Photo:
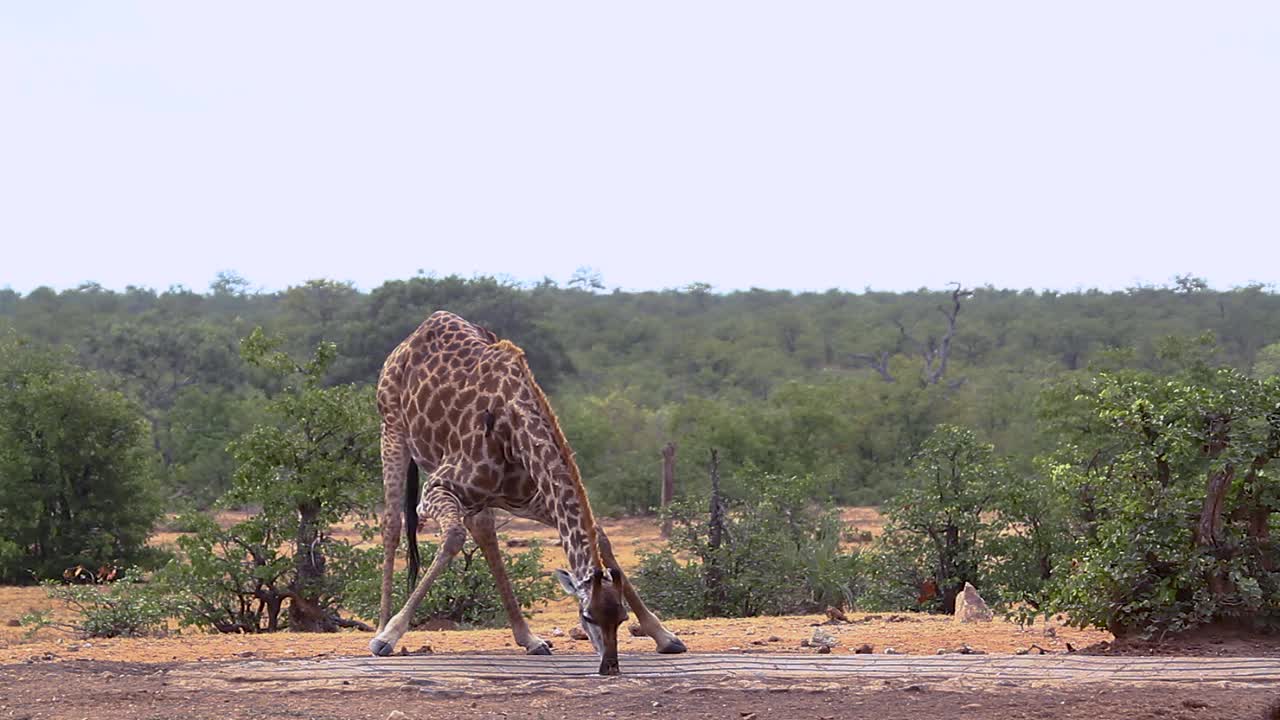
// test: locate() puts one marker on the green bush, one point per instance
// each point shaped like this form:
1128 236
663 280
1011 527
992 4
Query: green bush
126 608
76 470
1171 494
231 580
465 593
779 553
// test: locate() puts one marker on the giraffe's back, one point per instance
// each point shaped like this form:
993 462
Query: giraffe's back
446 388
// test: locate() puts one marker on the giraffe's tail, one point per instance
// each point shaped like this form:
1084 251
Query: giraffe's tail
411 491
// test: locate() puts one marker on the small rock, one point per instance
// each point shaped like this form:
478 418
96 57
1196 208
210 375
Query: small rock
397 715
634 629
891 651
1022 651
656 703
577 633
773 638
557 632
759 642
746 715
1050 631
805 643
824 650
970 607
14 622
424 650
822 638
246 654
863 649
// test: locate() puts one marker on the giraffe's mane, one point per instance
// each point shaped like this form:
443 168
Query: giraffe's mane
562 444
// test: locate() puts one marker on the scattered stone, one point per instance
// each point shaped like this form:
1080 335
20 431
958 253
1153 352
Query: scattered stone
970 607
1050 631
824 650
656 704
517 542
746 715
805 643
822 638
1070 648
634 629
397 715
1195 704
577 633
1022 651
14 622
962 650
759 642
891 651
913 688
557 632
897 618
424 650
863 649
773 638
246 654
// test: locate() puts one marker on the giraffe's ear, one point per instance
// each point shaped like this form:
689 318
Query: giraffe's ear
566 582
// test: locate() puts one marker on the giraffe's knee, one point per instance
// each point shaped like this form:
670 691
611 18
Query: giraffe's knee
454 537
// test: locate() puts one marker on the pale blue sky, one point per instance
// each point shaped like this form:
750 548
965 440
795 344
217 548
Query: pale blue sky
800 145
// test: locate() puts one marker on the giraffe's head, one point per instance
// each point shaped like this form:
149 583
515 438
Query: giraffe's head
601 610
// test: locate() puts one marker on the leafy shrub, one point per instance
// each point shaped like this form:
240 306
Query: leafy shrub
126 608
228 580
1172 495
465 593
779 553
76 469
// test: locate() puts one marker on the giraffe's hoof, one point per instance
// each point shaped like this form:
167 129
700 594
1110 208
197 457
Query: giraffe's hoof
675 647
381 648
542 648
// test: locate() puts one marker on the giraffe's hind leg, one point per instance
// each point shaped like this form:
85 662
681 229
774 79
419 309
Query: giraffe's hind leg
444 507
482 529
395 466
650 625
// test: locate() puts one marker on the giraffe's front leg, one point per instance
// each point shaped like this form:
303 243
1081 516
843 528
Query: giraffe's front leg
482 529
444 507
650 625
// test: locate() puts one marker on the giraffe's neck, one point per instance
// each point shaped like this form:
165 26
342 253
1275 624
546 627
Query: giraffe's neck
577 534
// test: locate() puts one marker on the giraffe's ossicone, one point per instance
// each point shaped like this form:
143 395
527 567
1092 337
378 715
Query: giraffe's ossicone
462 411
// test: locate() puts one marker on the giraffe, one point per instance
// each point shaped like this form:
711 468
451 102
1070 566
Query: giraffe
463 407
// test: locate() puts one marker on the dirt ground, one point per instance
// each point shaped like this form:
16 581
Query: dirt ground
131 691
53 674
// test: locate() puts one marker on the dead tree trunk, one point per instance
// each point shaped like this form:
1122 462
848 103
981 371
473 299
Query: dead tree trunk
937 354
712 573
668 485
